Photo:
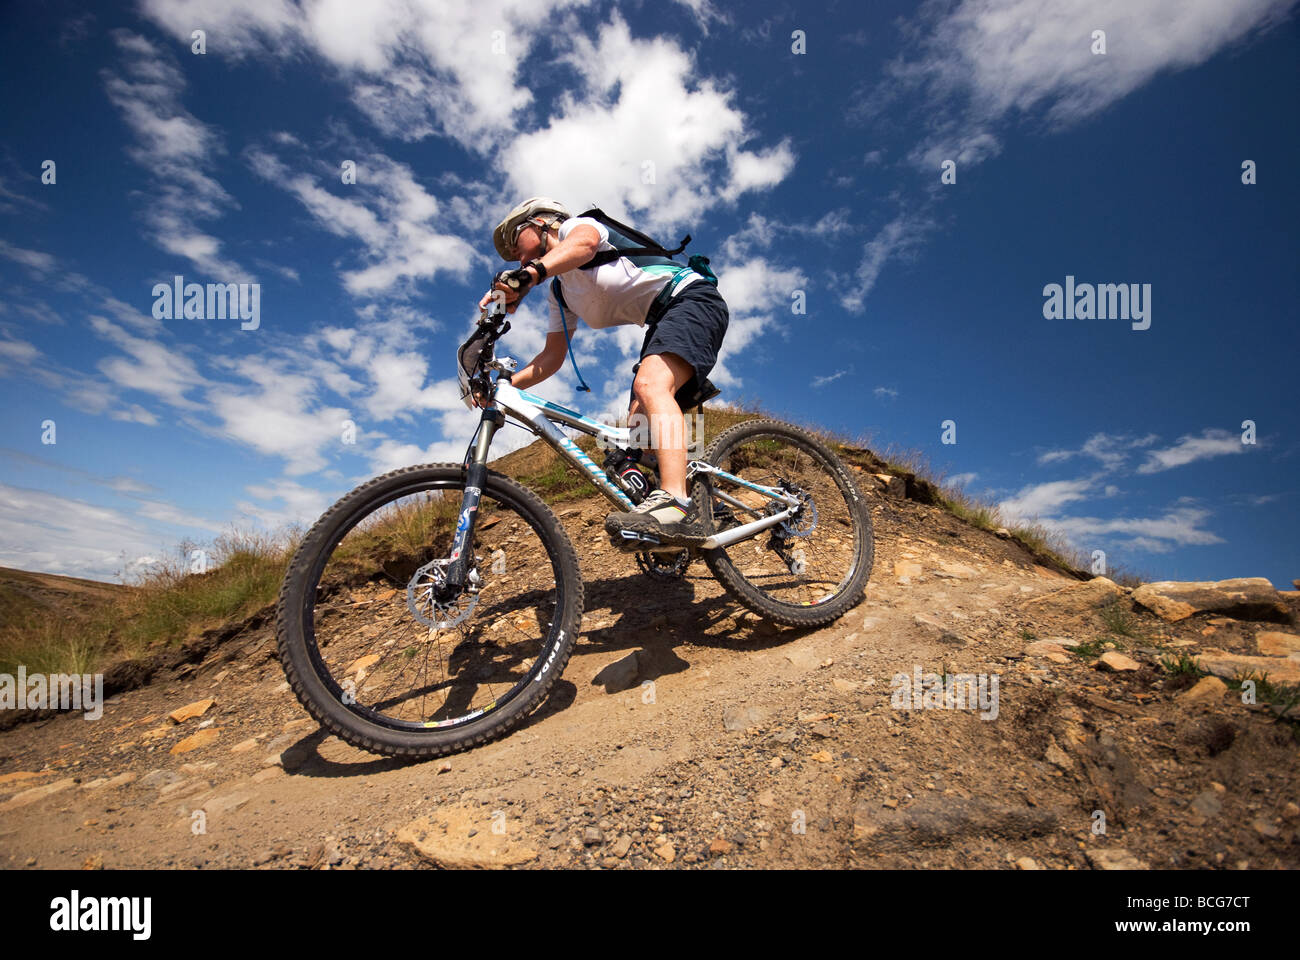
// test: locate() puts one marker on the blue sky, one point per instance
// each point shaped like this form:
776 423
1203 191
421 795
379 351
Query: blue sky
817 171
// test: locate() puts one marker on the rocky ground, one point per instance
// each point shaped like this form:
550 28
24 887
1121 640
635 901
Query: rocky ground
752 746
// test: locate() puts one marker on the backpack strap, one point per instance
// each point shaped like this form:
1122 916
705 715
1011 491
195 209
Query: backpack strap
559 300
648 246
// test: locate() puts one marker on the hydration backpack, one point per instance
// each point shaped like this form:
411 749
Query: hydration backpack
641 249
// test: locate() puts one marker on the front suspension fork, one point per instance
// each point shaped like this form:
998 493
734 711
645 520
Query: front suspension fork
462 545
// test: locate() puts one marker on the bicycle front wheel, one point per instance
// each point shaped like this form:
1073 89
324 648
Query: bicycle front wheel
385 655
810 569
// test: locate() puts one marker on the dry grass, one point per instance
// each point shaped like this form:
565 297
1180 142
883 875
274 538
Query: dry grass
171 602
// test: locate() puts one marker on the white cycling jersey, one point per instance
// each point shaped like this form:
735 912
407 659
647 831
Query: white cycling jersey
611 294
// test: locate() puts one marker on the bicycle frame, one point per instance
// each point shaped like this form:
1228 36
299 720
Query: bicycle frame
540 417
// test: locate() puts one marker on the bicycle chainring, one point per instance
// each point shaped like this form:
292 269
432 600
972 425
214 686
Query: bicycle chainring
664 566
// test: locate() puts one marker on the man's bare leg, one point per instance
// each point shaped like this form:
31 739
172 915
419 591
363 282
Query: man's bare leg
657 382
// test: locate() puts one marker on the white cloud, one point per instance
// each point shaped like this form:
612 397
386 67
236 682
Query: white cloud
995 60
389 212
1211 443
829 378
642 109
176 148
1178 527
35 259
896 240
1040 500
152 367
53 534
1110 450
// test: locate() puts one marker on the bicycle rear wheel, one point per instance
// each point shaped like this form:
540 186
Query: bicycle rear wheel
386 656
813 567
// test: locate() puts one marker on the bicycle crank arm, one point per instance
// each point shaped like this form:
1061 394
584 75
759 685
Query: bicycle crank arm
745 531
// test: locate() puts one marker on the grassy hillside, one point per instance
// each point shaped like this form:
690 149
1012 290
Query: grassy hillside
60 624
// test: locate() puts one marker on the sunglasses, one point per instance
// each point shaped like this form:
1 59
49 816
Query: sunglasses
514 241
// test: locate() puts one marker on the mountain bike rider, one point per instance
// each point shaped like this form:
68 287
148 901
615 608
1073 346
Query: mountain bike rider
547 241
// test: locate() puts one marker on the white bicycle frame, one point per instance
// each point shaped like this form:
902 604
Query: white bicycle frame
540 417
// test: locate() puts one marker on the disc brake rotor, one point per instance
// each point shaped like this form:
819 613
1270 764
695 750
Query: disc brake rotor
804 522
426 586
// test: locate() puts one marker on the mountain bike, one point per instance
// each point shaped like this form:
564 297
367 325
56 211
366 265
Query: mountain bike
433 608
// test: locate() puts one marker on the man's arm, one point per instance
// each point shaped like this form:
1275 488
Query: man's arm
571 252
544 364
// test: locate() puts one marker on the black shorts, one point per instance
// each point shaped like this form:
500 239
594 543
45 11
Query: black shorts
692 327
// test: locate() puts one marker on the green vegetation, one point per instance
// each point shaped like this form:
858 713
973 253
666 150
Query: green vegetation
1117 619
1182 665
166 604
170 603
1092 649
1280 697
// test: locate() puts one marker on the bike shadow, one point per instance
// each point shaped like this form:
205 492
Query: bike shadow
654 620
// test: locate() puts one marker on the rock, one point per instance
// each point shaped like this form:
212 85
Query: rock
1274 644
244 746
905 570
1046 648
1121 786
300 725
331 852
460 837
17 776
766 799
198 740
1113 858
620 675
1264 828
157 779
621 846
1079 597
197 769
666 852
226 803
361 664
191 710
956 571
1056 756
803 658
719 847
1250 598
35 794
121 780
270 773
1027 863
891 486
821 756
1117 662
184 788
1002 532
739 719
1207 690
592 836
1207 804
845 686
1231 665
935 818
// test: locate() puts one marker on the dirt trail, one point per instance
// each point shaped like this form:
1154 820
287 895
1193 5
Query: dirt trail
754 746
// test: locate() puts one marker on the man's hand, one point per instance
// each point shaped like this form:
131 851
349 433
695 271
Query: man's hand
513 285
